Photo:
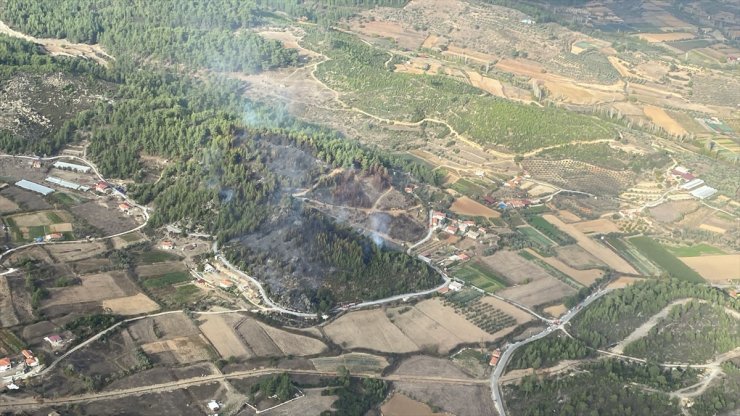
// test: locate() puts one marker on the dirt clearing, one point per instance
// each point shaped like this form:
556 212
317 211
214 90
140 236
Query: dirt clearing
515 268
716 269
600 252
130 305
466 206
406 38
663 120
400 405
556 310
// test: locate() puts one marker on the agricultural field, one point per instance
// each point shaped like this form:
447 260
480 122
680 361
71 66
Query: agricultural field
400 405
634 256
355 362
576 257
479 275
31 225
550 230
720 269
663 258
695 250
468 207
536 237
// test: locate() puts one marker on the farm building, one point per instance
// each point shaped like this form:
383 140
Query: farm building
439 215
67 184
53 236
704 192
167 245
72 166
451 229
213 405
692 184
124 207
208 268
102 186
31 361
32 186
55 340
472 234
494 357
455 286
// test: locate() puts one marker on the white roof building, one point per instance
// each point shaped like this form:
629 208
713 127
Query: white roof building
704 192
692 184
72 166
33 186
455 286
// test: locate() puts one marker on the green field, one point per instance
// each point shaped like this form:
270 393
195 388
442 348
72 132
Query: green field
550 230
168 279
536 236
185 294
358 71
480 276
695 250
469 188
633 256
157 256
663 258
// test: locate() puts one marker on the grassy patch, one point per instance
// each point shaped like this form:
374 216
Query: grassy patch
54 218
468 188
157 256
168 279
9 343
695 250
663 258
130 237
550 231
633 256
536 237
185 294
479 276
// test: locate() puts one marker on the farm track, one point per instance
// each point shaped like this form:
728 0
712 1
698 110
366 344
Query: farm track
32 403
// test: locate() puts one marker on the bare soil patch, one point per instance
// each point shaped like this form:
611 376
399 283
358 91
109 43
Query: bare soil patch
514 267
600 226
556 310
584 277
624 281
7 206
31 219
456 399
663 120
105 216
400 405
355 362
222 337
425 366
597 250
716 269
568 216
369 329
672 211
466 206
131 305
406 38
158 269
76 251
184 350
262 340
313 403
293 344
538 292
94 288
25 199
665 37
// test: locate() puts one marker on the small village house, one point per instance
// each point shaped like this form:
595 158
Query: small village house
167 245
5 364
55 340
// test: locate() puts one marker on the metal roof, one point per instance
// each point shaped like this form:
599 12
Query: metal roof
66 184
703 192
65 165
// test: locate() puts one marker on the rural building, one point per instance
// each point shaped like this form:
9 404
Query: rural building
5 364
463 257
32 186
451 229
54 236
208 268
31 361
226 284
102 186
439 215
167 245
692 184
124 207
528 21
72 166
704 192
213 405
455 286
494 357
36 164
67 184
55 340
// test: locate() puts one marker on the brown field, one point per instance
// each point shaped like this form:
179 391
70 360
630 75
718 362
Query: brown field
31 219
7 206
76 251
263 340
600 252
662 119
158 269
556 310
169 326
466 206
600 226
673 210
716 269
369 329
431 41
584 277
665 37
400 405
576 94
130 305
712 228
222 336
620 66
514 267
313 403
538 292
568 216
405 38
186 350
456 399
7 311
355 362
489 85
131 238
94 288
623 281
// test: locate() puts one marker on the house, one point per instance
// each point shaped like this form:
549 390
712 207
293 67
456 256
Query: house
55 340
5 364
439 215
455 286
489 200
472 235
54 237
31 361
495 355
167 245
123 206
464 225
213 405
208 268
451 229
226 284
528 21
102 186
463 257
